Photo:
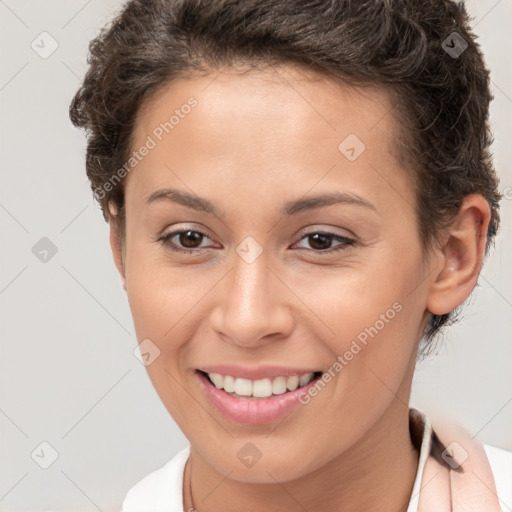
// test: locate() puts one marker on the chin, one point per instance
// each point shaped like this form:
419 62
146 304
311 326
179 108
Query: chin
277 466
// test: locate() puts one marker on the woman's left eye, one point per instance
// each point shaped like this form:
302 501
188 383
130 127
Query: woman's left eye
322 238
187 239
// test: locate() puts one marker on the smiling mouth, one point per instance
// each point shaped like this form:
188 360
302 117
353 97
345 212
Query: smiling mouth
259 389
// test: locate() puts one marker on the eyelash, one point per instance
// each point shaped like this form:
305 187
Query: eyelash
346 242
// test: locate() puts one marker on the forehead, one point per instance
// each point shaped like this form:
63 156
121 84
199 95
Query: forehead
306 100
269 122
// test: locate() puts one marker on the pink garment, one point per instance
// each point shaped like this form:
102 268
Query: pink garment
457 476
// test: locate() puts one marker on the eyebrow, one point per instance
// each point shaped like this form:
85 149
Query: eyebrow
289 208
183 198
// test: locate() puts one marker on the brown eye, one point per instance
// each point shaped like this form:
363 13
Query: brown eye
320 241
185 239
189 238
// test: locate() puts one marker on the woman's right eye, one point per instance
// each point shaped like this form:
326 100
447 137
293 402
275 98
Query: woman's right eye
186 237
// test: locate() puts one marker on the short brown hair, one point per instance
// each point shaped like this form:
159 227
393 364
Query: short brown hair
441 97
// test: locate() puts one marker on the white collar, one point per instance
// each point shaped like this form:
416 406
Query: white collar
426 443
162 490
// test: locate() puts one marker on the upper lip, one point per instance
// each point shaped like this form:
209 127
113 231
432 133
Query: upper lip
255 373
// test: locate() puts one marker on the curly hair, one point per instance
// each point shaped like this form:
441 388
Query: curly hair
440 98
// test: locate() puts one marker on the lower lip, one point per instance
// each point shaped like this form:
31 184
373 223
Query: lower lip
253 411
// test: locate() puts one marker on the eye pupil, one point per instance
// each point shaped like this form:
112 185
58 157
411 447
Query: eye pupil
325 239
186 236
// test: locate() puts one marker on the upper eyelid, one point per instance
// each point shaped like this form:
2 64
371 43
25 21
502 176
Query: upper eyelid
306 230
175 232
326 230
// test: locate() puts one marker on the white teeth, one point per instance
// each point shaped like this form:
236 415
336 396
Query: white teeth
262 388
243 387
292 383
229 384
305 379
279 386
217 379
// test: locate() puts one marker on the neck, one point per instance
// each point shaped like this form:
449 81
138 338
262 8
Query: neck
375 474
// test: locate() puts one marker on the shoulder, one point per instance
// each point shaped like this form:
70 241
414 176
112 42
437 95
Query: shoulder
160 490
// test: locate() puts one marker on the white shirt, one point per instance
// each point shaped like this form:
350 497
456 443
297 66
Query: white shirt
162 490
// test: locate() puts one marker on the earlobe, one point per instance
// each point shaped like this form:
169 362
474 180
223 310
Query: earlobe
461 256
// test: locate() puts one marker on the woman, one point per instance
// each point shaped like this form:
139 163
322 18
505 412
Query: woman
300 194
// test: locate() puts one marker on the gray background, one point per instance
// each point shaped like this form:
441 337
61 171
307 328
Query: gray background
68 373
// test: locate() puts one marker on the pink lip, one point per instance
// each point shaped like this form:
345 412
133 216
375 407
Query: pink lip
252 411
261 372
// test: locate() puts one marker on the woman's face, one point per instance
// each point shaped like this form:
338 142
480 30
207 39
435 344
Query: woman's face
274 280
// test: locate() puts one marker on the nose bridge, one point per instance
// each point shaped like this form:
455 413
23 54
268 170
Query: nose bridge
250 290
252 304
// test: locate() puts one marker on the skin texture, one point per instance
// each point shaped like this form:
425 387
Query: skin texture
254 141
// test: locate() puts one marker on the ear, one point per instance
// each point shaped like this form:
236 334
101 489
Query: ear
115 245
461 256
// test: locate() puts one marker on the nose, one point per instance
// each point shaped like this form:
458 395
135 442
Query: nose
253 304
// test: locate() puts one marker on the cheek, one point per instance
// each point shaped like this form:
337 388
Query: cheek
370 296
161 303
374 314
